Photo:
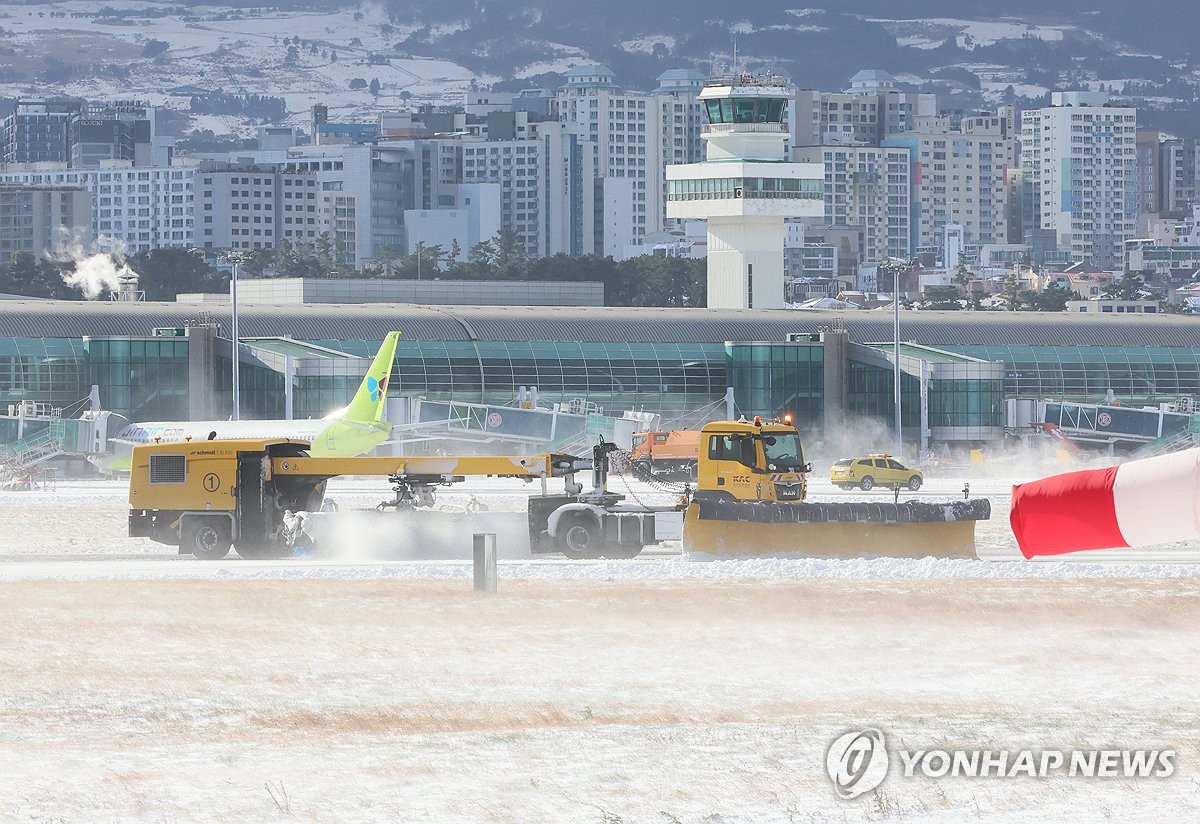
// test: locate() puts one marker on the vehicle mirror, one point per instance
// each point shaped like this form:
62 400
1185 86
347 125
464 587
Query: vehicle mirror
807 467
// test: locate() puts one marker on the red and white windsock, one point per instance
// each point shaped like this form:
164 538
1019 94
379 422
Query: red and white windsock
1140 503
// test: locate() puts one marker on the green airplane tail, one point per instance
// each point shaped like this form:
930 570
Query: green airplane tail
368 402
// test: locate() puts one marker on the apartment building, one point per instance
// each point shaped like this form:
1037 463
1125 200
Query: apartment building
871 109
636 134
248 207
547 183
1177 176
961 178
1079 159
35 131
142 208
870 187
42 219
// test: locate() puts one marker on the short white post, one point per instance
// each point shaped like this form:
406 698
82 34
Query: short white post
485 561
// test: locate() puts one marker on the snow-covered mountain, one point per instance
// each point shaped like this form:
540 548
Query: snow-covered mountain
163 53
431 53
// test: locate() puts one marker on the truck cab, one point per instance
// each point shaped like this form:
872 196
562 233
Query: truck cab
752 461
665 453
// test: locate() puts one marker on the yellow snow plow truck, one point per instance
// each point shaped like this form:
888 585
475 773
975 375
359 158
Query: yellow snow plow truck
750 498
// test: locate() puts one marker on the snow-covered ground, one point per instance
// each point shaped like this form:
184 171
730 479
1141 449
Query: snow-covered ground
140 686
238 50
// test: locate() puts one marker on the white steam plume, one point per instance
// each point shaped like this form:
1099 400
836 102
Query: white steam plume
97 269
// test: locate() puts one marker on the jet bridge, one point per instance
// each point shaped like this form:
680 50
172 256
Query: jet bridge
1118 427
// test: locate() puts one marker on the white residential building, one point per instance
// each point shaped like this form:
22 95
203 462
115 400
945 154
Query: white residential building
636 134
961 178
546 183
142 208
868 187
1079 159
365 190
474 218
864 114
256 207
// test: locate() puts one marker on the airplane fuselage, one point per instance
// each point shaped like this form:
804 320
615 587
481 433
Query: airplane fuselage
329 437
166 431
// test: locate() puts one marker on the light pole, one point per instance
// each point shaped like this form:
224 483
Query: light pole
895 270
896 344
235 258
237 386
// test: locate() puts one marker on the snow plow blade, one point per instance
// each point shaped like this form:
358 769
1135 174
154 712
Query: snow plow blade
914 529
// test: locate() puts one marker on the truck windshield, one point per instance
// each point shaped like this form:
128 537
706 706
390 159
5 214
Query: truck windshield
783 452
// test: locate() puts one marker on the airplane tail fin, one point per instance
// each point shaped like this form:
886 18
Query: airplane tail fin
368 402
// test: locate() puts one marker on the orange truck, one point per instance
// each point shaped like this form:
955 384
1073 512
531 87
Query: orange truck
665 453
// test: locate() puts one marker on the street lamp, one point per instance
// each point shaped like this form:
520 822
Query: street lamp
235 258
895 267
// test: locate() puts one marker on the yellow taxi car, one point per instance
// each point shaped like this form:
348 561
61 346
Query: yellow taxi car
875 470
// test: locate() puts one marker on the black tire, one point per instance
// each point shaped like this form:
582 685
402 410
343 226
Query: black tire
206 538
914 483
643 469
579 536
867 483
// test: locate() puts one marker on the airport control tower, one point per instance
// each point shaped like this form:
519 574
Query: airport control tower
745 189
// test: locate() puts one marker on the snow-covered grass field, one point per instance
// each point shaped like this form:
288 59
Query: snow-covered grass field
139 686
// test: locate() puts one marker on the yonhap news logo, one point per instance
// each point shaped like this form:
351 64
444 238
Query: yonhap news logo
858 762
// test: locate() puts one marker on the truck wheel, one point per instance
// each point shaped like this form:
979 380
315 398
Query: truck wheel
644 469
206 538
579 536
914 483
867 483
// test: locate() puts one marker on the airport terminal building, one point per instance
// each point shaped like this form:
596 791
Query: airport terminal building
171 361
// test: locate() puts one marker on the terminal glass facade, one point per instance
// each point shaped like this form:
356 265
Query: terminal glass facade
147 378
1086 373
870 392
142 379
316 395
261 396
46 370
971 402
324 386
770 379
